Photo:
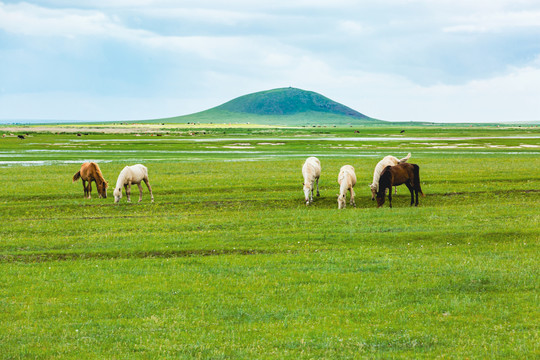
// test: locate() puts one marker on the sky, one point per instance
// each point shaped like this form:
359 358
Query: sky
397 60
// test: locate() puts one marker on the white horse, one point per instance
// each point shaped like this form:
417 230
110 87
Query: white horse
311 172
381 165
132 175
346 181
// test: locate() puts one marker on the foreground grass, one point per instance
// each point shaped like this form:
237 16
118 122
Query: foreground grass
229 263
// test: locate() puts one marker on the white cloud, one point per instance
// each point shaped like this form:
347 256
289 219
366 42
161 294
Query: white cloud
31 20
367 55
509 97
496 22
354 28
201 15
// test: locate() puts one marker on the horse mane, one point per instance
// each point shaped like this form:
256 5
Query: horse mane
385 172
99 175
121 177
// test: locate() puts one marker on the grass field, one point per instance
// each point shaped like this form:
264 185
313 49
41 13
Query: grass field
229 262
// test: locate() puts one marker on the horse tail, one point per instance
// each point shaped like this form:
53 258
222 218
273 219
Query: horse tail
76 176
401 161
416 172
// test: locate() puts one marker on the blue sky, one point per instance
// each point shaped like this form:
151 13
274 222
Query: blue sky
422 60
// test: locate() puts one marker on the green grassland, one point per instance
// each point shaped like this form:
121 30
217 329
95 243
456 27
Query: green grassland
229 262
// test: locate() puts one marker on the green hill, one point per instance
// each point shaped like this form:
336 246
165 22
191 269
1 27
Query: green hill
284 106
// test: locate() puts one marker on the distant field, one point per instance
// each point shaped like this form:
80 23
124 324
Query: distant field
229 263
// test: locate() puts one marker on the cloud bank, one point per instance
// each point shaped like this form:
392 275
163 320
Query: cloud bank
419 60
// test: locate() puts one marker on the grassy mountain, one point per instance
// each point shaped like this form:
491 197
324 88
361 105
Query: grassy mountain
284 106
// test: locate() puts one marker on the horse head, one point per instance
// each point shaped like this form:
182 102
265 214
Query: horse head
102 189
381 194
380 199
117 194
307 190
341 201
373 191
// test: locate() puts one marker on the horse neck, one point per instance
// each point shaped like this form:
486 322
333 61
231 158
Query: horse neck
309 178
99 177
377 172
344 186
385 182
121 179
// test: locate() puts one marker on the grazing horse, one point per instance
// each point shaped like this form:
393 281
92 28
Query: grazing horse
381 165
132 175
408 174
90 172
311 170
346 181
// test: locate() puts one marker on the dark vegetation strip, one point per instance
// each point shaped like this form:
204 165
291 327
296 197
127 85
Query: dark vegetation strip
265 203
154 254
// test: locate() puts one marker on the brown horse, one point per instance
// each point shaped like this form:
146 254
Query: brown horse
90 172
408 174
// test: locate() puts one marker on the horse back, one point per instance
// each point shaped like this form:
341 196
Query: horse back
91 171
311 168
347 173
402 173
142 171
396 175
135 173
86 171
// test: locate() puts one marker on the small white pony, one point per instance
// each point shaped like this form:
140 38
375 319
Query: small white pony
132 175
346 181
311 172
381 165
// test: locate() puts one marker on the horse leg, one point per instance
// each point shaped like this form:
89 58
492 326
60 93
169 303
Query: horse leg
84 188
352 198
128 192
97 187
318 193
410 187
140 191
395 191
390 197
89 189
149 189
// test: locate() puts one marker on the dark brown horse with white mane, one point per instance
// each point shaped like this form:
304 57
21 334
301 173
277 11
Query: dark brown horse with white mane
90 172
408 174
